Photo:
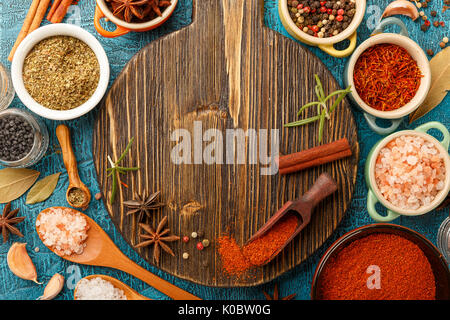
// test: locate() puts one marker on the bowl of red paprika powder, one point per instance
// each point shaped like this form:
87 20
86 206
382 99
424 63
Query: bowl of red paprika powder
381 262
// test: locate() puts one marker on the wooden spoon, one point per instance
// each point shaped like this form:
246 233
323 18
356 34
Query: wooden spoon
302 208
70 162
129 292
101 251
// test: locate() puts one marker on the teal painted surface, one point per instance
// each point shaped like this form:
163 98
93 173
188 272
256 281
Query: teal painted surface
119 51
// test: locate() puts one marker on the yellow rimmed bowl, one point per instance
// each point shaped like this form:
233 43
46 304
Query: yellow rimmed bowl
374 195
325 44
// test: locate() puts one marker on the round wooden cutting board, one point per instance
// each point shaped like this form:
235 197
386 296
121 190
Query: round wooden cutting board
224 71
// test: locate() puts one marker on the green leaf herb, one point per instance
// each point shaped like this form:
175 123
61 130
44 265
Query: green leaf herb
322 110
116 169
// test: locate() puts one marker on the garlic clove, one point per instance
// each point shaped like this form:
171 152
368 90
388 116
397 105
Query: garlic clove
19 262
53 288
403 7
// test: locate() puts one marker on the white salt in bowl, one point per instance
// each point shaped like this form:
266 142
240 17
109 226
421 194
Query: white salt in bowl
374 195
59 29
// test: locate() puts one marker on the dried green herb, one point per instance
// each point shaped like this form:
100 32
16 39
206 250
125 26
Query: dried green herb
15 182
43 189
322 110
116 169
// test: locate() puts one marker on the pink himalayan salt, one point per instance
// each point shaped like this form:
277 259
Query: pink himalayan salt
410 172
63 231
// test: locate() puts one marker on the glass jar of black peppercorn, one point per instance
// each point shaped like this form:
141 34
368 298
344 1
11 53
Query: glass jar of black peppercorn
23 138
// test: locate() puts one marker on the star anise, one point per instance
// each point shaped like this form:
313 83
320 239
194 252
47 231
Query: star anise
128 8
143 204
158 238
275 295
7 220
141 9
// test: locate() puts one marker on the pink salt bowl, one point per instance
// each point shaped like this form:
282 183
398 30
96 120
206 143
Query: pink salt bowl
374 194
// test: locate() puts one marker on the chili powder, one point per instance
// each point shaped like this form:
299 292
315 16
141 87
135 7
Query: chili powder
405 272
237 260
386 77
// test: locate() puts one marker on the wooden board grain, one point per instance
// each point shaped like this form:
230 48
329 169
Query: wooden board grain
226 70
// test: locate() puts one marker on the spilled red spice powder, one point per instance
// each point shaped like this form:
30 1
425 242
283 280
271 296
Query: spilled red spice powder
237 260
386 77
405 271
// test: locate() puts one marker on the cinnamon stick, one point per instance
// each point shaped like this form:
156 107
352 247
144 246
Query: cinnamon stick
39 16
53 8
316 162
313 153
61 11
25 27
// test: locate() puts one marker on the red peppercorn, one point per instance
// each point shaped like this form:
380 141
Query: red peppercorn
340 12
313 10
339 18
323 9
300 6
330 11
442 23
185 239
307 10
315 28
200 246
322 3
427 22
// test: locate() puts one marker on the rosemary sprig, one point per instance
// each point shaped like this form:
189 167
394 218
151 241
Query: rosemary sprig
322 110
116 169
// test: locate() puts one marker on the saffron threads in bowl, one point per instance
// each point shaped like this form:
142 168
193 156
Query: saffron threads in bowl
386 77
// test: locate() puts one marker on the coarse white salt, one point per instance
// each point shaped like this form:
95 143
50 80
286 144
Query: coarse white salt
64 231
98 289
410 172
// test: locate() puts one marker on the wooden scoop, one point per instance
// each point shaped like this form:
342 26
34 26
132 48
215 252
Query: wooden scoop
101 251
70 162
302 208
130 293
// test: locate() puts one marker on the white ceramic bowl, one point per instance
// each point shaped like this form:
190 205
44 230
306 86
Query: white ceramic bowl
416 52
59 29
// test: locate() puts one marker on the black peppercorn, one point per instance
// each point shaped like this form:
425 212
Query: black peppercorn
430 52
16 138
433 13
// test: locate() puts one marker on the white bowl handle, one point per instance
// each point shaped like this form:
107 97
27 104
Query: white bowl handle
387 22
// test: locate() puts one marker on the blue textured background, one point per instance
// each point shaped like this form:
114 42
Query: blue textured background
119 51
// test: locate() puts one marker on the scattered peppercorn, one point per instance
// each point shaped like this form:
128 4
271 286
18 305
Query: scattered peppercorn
424 27
185 239
425 18
194 235
442 23
205 243
436 23
427 23
433 13
424 4
36 249
200 246
185 255
430 52
442 44
98 196
445 39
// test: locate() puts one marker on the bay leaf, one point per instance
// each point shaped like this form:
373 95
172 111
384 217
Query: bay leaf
43 189
15 182
440 84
